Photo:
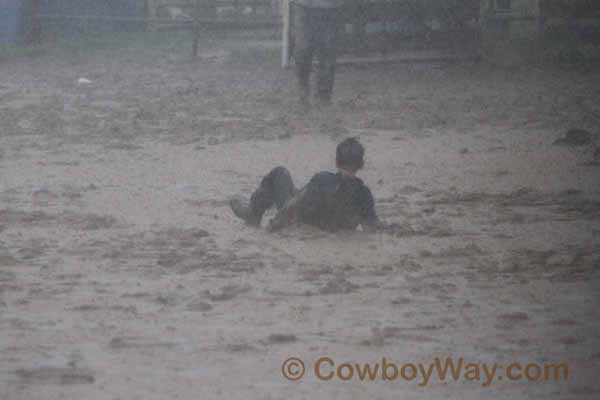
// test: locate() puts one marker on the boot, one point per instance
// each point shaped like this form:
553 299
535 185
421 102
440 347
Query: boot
241 208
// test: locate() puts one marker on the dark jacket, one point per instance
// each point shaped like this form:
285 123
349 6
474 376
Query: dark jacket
331 202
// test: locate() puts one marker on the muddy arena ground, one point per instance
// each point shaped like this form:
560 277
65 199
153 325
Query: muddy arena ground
124 274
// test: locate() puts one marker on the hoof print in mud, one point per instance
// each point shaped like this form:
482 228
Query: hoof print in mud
56 375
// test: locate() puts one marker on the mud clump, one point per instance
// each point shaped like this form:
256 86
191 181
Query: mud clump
61 376
575 137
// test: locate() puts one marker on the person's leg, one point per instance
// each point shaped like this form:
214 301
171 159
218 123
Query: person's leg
283 187
276 188
303 50
327 53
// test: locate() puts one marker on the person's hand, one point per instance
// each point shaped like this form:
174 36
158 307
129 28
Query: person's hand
272 226
283 218
375 226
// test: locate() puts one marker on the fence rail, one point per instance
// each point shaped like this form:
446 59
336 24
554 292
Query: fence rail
196 15
161 14
257 22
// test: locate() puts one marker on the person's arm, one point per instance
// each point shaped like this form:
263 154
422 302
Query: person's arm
370 222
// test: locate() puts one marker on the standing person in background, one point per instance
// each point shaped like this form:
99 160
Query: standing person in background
315 26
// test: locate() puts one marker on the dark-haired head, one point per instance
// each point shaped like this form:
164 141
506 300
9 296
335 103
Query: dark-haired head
350 155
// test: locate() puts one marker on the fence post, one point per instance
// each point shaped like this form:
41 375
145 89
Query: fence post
146 15
196 29
32 23
237 10
286 33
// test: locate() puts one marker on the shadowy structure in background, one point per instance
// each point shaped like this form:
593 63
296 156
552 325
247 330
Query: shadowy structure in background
504 32
522 31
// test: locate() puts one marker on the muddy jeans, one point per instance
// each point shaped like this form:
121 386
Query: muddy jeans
276 188
315 34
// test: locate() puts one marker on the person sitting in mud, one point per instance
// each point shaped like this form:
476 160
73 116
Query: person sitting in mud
330 201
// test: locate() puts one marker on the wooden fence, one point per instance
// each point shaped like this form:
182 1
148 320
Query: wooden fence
164 14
